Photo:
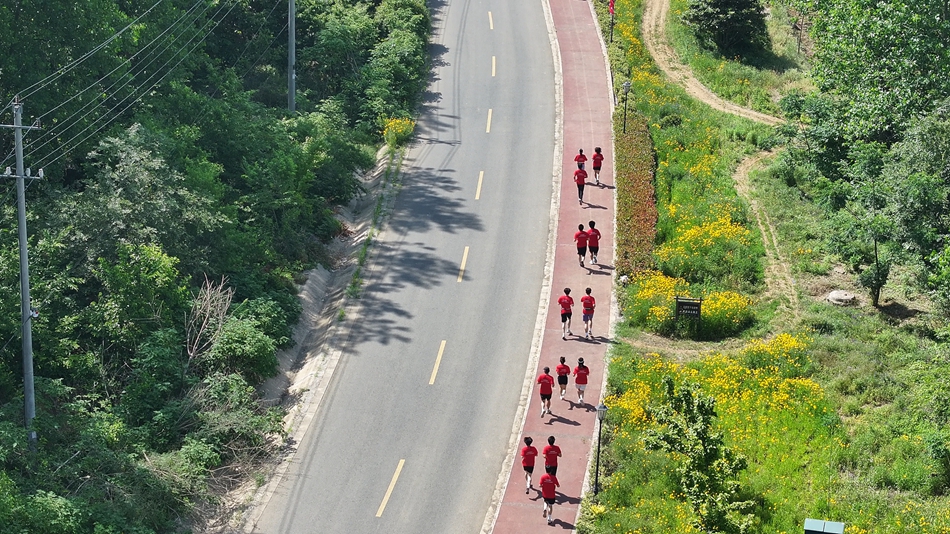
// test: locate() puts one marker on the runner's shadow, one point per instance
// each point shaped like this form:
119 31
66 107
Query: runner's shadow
562 524
586 406
564 499
588 205
564 420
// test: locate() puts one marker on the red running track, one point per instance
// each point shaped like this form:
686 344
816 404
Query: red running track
587 123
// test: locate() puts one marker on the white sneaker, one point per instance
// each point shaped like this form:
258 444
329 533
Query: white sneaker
570 333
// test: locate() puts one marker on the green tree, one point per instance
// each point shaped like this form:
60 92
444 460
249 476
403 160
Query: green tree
142 292
732 26
863 231
917 174
885 60
707 468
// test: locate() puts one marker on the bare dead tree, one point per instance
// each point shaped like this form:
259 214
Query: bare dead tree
206 319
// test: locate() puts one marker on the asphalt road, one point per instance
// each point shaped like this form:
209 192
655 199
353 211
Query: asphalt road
447 440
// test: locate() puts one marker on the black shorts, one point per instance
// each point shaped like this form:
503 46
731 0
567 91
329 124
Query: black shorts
562 380
528 469
551 470
597 169
565 316
545 396
581 251
594 250
580 165
551 502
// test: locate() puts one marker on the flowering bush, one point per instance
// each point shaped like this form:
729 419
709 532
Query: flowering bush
785 354
398 131
650 301
724 314
718 251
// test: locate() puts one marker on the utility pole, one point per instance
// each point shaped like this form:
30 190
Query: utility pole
291 56
26 310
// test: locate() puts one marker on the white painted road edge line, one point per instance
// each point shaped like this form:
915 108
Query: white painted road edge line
504 474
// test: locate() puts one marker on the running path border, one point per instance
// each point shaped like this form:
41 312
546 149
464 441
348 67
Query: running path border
586 108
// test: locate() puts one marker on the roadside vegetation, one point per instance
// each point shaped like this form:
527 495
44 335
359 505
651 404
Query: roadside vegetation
839 414
180 202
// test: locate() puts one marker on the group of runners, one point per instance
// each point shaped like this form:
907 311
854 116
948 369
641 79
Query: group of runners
580 175
587 241
548 482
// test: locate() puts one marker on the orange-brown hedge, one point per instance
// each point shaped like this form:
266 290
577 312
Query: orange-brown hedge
635 164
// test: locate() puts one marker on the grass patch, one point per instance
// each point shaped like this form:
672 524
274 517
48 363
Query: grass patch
757 81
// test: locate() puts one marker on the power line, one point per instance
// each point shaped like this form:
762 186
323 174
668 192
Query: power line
128 60
153 53
76 62
63 150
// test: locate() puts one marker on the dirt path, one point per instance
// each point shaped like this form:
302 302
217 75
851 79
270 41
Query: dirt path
778 274
654 38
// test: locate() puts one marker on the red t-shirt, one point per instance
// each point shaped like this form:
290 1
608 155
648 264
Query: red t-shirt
566 302
580 177
548 483
580 158
588 303
581 237
528 454
593 237
547 384
551 452
598 159
562 370
580 374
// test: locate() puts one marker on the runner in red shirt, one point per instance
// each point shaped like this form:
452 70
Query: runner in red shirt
562 370
581 238
549 484
546 390
593 241
587 306
598 160
580 379
566 302
528 454
551 453
580 178
580 158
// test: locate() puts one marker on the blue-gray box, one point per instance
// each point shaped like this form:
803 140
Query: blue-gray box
817 526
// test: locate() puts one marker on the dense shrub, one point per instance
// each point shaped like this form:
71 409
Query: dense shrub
636 206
